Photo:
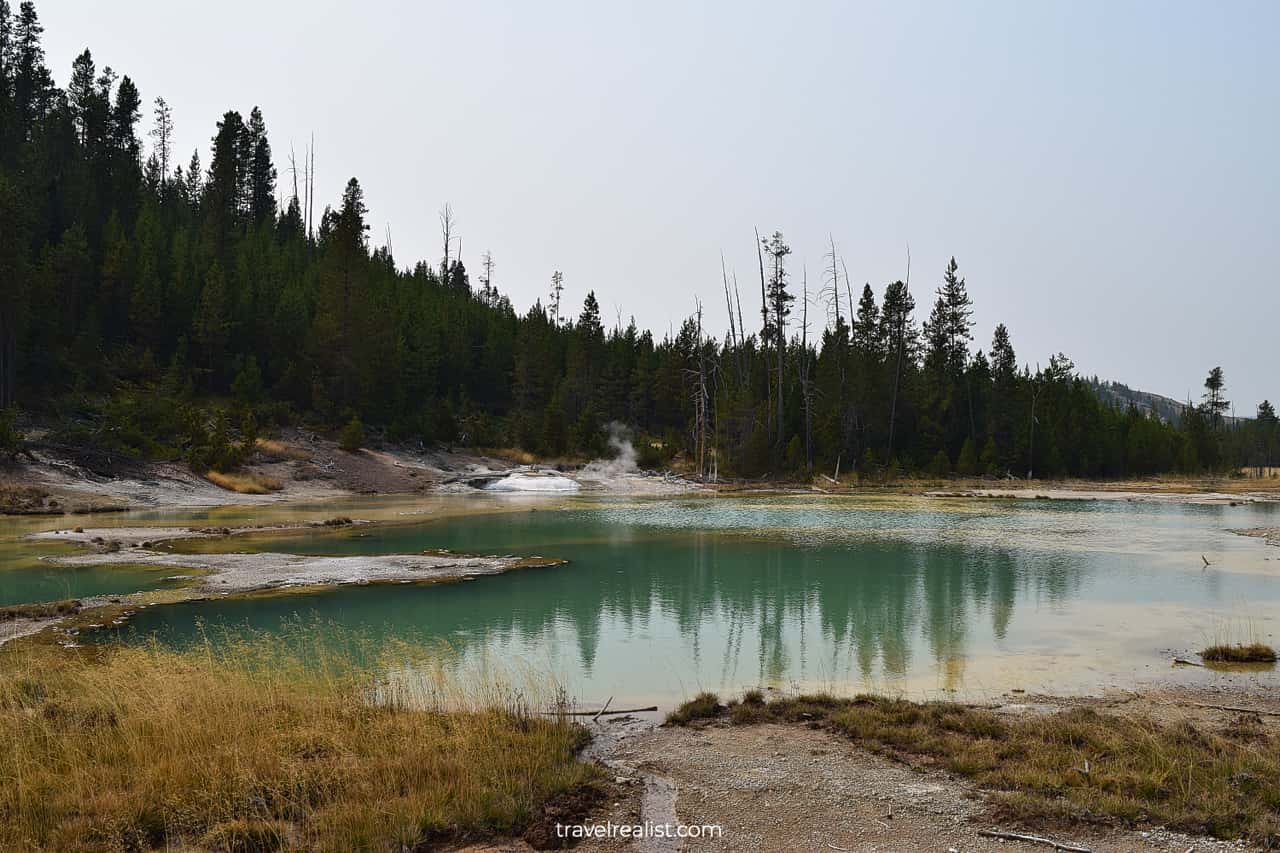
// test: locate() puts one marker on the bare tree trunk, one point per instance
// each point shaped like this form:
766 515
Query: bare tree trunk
311 190
778 308
805 390
734 336
742 331
293 170
446 233
764 318
1031 451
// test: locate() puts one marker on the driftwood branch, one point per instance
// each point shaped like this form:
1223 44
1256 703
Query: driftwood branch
603 708
601 713
1034 839
1238 709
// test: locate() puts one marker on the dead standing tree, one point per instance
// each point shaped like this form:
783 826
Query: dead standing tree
806 388
447 225
701 396
557 287
764 336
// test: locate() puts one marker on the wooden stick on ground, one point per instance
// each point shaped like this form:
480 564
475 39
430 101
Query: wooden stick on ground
1238 709
602 712
603 708
1034 839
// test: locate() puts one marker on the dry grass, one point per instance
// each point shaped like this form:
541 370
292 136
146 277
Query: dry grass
18 499
513 454
245 484
44 610
1240 653
255 747
1074 765
279 451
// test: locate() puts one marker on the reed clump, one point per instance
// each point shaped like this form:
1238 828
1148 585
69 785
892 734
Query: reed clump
259 745
40 610
1075 765
1239 653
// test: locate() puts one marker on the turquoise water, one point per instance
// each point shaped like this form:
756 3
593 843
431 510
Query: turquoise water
661 598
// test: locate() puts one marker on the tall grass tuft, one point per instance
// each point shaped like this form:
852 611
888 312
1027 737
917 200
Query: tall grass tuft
243 483
259 744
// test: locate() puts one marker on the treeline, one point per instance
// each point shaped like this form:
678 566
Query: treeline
164 308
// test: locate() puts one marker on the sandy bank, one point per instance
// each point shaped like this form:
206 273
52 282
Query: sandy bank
227 573
1087 494
1271 534
224 574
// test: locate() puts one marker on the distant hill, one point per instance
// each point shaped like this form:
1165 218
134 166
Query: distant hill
1119 394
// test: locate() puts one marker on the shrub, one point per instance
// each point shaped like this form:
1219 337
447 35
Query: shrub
651 455
704 706
10 439
967 464
990 458
352 437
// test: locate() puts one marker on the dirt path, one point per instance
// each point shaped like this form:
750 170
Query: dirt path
779 787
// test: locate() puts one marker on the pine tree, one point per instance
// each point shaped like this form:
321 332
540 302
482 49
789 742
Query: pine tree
162 133
32 82
261 171
340 320
212 323
223 195
1215 405
14 273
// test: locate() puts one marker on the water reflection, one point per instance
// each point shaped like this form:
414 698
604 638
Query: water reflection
650 609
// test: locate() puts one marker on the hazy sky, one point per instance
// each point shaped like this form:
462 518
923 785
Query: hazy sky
1104 173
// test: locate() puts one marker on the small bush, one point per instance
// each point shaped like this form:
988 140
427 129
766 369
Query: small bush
11 441
651 455
704 706
352 437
